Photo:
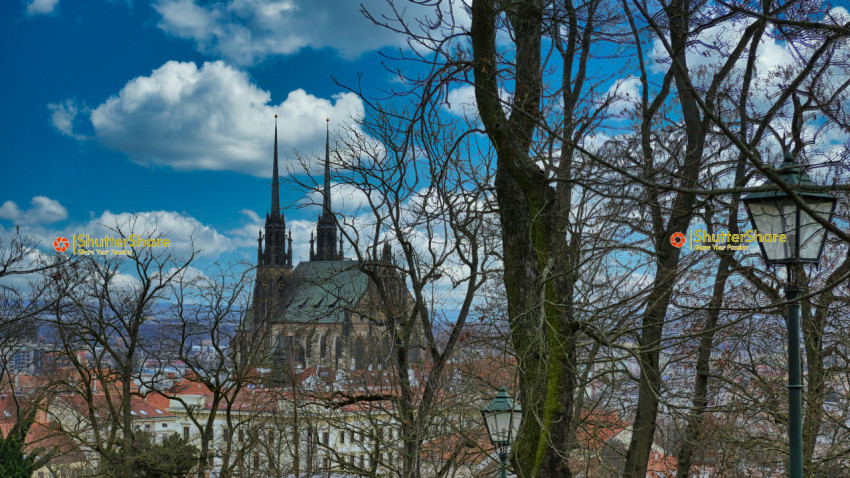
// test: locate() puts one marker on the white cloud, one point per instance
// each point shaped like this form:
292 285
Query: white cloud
838 16
624 95
185 275
461 102
43 211
184 232
62 116
712 47
778 59
9 210
246 235
31 259
213 118
41 7
246 31
301 230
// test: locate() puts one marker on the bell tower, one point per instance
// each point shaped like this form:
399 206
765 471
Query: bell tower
274 261
326 227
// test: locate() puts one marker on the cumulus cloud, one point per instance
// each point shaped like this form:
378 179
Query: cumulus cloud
183 231
43 211
41 7
623 95
301 230
246 234
712 47
777 60
838 16
461 102
212 118
246 31
62 116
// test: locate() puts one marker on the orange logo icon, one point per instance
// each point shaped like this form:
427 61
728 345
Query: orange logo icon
60 244
677 239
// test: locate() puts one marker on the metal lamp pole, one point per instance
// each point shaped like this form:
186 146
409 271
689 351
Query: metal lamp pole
795 368
777 214
795 382
503 460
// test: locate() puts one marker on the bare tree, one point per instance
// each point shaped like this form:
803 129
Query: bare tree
21 303
203 331
679 147
102 303
414 186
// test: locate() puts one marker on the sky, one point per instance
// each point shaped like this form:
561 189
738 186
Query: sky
165 110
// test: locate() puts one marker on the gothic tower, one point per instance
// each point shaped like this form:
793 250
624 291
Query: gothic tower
326 228
274 262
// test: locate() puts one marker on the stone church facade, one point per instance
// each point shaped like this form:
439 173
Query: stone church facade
323 312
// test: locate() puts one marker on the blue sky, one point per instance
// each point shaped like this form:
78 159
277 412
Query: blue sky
166 109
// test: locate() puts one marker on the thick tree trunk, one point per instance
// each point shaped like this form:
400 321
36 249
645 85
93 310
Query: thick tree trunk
521 276
522 287
538 269
649 388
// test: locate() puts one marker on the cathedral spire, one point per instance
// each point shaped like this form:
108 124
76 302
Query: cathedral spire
275 182
327 192
326 227
275 253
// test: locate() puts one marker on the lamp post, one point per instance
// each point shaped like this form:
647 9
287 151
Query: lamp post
502 417
774 212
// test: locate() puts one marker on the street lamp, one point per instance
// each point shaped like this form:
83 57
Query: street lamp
776 213
502 417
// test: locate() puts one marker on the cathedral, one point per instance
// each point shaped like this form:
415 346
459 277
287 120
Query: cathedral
323 312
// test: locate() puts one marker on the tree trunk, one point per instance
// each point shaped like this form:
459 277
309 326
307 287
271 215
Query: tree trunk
667 257
127 417
691 436
814 326
538 276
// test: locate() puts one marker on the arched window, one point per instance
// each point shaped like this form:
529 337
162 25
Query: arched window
337 350
308 347
359 354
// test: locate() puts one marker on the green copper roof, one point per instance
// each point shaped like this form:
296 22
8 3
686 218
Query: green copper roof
322 291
